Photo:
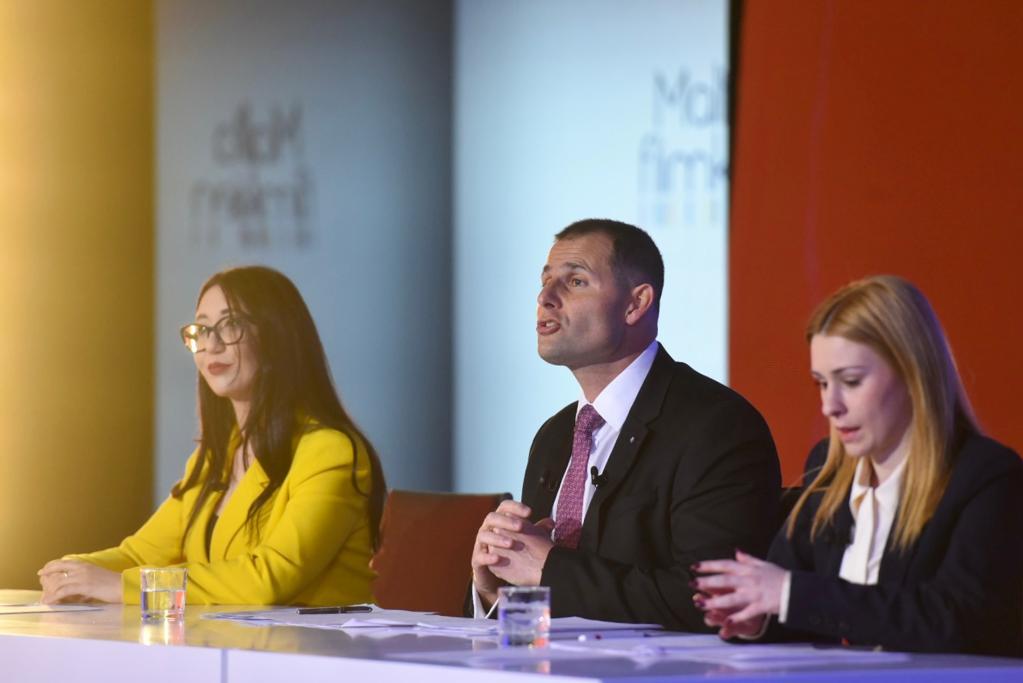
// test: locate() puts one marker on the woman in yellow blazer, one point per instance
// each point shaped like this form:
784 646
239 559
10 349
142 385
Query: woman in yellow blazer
281 501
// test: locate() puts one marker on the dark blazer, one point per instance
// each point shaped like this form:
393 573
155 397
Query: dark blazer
693 475
959 588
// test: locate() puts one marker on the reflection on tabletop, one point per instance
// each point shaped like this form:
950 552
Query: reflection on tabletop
613 653
124 623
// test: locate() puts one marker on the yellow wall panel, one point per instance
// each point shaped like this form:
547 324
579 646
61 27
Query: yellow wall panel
76 277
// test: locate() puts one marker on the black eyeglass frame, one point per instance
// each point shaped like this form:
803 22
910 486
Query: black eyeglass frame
215 329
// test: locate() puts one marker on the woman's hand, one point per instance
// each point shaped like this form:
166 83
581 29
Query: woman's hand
77 581
721 618
738 595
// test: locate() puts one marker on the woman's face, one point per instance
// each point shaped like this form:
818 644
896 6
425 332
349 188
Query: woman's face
862 396
229 369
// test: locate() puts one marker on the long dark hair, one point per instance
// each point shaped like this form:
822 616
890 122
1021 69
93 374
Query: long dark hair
293 393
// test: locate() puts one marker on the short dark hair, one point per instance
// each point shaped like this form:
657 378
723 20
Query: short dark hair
634 256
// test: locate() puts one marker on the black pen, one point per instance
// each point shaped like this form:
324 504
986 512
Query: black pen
344 609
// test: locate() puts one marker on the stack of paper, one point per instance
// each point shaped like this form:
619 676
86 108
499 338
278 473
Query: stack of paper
423 623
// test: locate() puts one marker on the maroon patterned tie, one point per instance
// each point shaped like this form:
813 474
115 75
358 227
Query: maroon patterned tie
569 526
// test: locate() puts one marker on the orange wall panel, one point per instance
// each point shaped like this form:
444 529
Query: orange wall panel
876 137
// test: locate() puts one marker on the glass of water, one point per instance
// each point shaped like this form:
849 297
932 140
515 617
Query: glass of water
524 615
163 593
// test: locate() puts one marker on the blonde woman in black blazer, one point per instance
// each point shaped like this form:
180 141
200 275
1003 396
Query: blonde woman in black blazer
909 534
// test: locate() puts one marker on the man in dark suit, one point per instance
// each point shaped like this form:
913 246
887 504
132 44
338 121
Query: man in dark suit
654 468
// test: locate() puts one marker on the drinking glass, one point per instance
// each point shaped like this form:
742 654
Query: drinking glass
163 593
524 615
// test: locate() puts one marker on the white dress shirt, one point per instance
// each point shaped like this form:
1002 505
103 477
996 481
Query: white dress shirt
613 404
873 510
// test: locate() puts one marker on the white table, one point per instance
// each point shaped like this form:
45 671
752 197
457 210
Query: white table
111 644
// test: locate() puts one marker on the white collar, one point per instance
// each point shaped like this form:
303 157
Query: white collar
887 493
615 401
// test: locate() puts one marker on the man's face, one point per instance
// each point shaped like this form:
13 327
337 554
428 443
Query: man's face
582 304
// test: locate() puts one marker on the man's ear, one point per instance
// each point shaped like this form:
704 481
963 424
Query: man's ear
641 300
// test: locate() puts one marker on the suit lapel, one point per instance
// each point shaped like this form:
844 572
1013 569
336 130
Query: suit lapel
894 562
235 512
835 539
645 409
554 461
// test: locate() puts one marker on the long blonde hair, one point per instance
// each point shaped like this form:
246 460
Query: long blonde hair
894 318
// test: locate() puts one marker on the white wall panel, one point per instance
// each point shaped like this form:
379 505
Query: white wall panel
567 110
314 136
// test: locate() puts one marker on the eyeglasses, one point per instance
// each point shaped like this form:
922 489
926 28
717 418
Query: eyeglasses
228 331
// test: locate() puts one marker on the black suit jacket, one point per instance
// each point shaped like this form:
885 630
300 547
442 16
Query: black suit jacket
959 588
693 475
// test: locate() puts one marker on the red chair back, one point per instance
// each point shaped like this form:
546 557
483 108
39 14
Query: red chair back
426 544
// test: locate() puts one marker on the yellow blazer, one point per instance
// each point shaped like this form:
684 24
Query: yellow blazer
312 545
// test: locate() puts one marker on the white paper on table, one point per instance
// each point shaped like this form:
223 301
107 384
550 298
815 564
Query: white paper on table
791 656
560 627
289 616
567 651
395 622
422 621
650 644
575 627
387 633
43 609
710 649
499 655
